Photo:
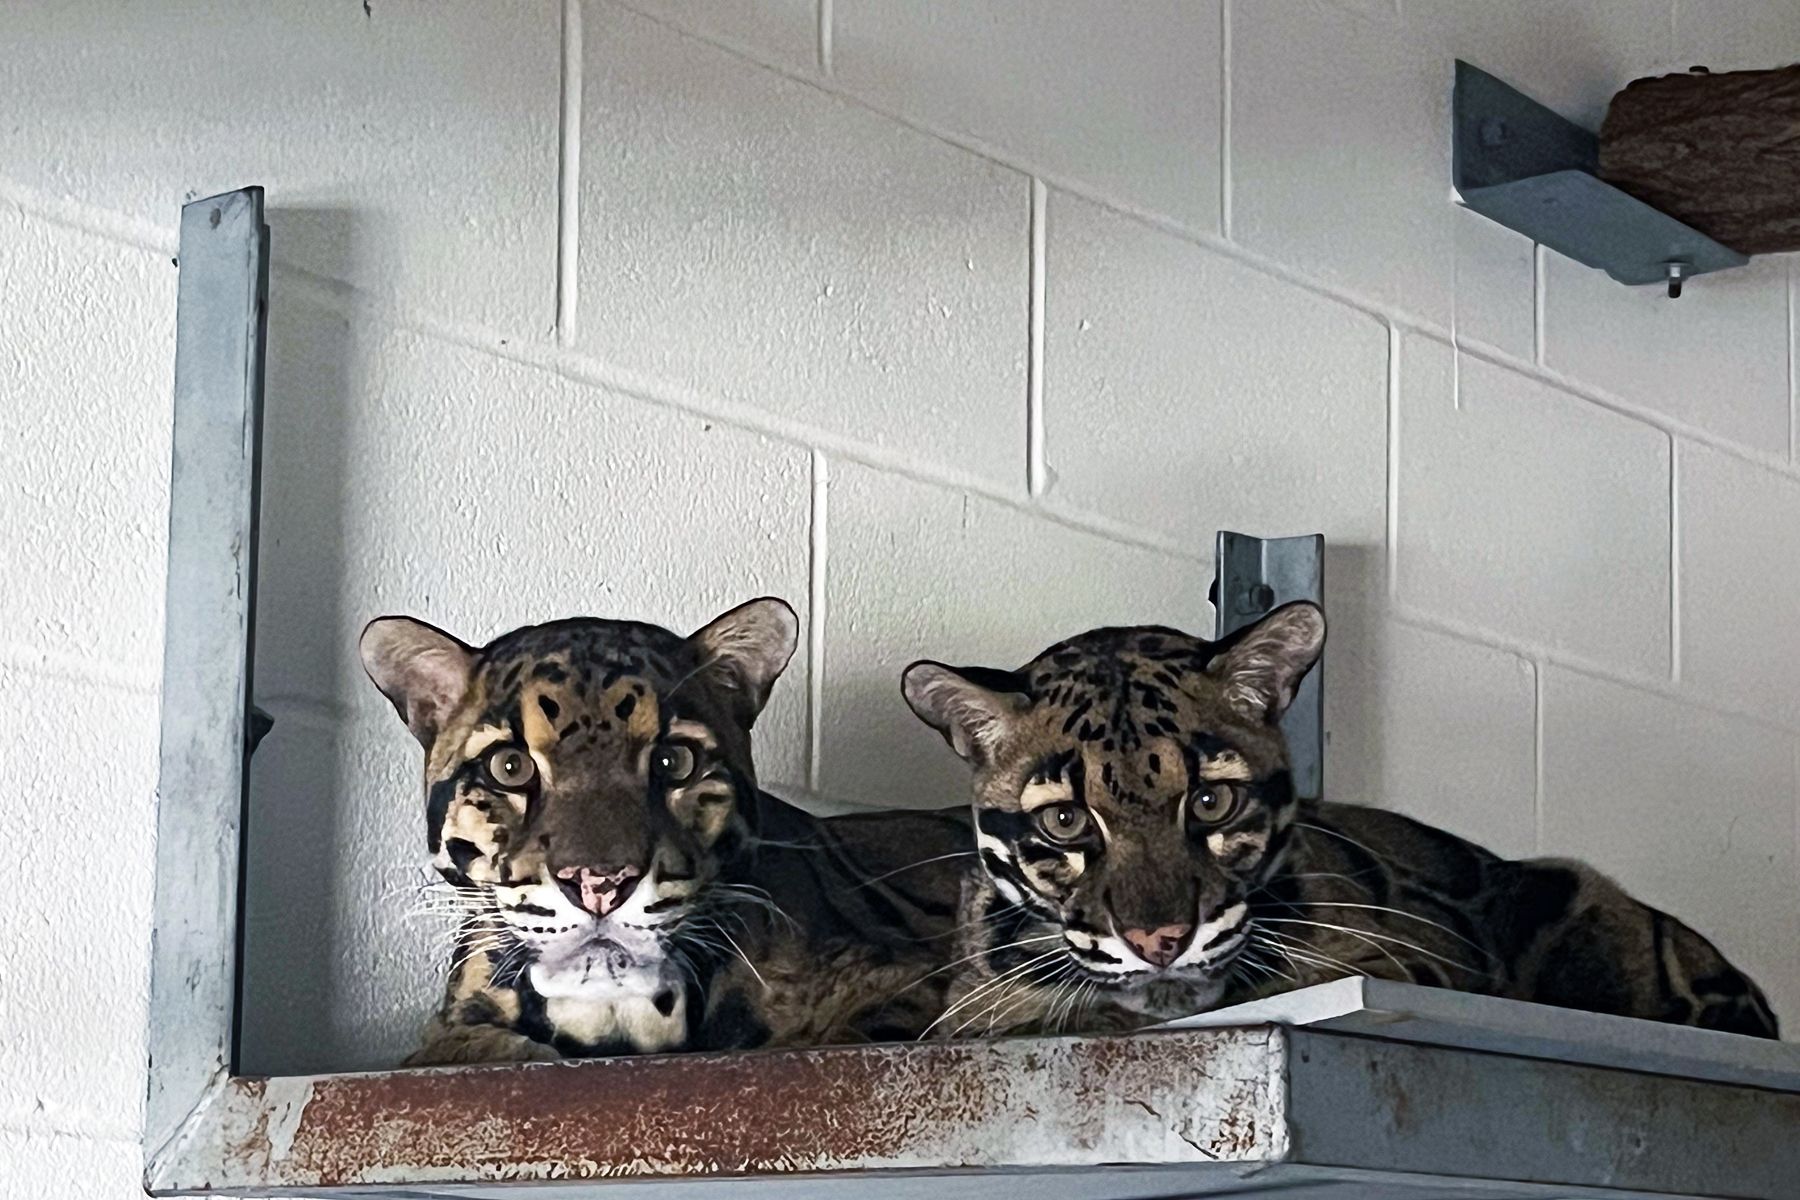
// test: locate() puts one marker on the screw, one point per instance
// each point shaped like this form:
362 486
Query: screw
1677 271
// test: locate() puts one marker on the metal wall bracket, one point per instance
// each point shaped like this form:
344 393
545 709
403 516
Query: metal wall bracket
1518 163
208 724
1256 575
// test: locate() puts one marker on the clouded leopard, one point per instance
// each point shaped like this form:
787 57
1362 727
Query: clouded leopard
1144 857
622 884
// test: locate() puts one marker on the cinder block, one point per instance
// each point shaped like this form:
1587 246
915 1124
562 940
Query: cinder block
1340 136
78 957
783 32
1571 55
1740 583
916 571
1127 107
1496 285
1691 811
407 148
1340 152
758 240
1531 512
1717 358
1730 35
65 1164
1438 728
1185 392
536 498
1373 10
87 372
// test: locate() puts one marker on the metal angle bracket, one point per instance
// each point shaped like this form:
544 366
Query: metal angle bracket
1518 163
1255 575
209 726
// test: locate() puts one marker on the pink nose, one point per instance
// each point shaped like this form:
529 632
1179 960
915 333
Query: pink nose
1159 947
600 892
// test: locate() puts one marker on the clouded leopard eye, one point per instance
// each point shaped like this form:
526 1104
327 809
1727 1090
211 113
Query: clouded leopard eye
511 767
672 763
1216 803
1062 822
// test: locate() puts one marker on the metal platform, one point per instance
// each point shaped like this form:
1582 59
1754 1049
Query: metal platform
1407 1012
1369 1090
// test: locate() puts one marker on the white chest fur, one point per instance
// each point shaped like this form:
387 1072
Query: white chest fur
634 1018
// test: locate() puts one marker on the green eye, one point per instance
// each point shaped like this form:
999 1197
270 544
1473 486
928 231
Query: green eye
1216 803
511 767
1062 822
672 763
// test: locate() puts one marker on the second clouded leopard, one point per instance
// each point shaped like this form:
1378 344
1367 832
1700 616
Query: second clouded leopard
623 885
1144 857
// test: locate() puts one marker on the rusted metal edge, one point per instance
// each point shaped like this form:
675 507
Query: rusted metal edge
1165 1098
1234 1108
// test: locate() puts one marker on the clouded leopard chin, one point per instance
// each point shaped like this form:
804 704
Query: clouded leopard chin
622 884
1143 857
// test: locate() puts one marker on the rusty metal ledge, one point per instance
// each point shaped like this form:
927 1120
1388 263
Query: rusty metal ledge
1181 1097
1319 1114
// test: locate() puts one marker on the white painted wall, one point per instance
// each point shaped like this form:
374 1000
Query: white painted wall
963 325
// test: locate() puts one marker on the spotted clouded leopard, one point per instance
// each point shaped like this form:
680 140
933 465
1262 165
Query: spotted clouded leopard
1145 857
623 885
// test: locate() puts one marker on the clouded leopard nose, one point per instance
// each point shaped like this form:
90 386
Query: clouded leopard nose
601 890
1159 947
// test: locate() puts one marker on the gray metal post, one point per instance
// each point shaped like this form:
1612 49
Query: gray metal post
209 617
1258 574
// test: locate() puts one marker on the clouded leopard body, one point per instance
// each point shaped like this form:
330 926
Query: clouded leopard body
1143 857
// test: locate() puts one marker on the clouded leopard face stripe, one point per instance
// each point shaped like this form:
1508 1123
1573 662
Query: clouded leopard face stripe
1131 791
584 780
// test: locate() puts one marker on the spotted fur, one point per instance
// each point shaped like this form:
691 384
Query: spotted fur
622 884
1143 857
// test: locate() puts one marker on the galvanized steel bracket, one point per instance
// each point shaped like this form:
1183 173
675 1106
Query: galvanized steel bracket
1518 163
208 724
1254 576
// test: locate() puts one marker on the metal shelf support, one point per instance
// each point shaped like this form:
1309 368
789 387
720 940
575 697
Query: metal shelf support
1519 163
1254 576
208 724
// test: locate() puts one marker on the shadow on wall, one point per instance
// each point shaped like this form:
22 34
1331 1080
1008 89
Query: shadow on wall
291 837
1354 582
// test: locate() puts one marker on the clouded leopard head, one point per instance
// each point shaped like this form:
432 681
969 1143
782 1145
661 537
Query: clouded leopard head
584 778
1131 786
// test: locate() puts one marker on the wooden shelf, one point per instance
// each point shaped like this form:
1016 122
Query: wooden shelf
1429 1107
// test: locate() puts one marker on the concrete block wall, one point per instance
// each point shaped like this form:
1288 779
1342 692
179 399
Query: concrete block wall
962 325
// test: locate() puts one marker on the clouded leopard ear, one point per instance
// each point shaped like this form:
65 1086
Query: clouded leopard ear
424 671
1261 666
747 648
973 708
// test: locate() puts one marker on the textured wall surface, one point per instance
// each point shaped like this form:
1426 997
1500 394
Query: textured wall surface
963 325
